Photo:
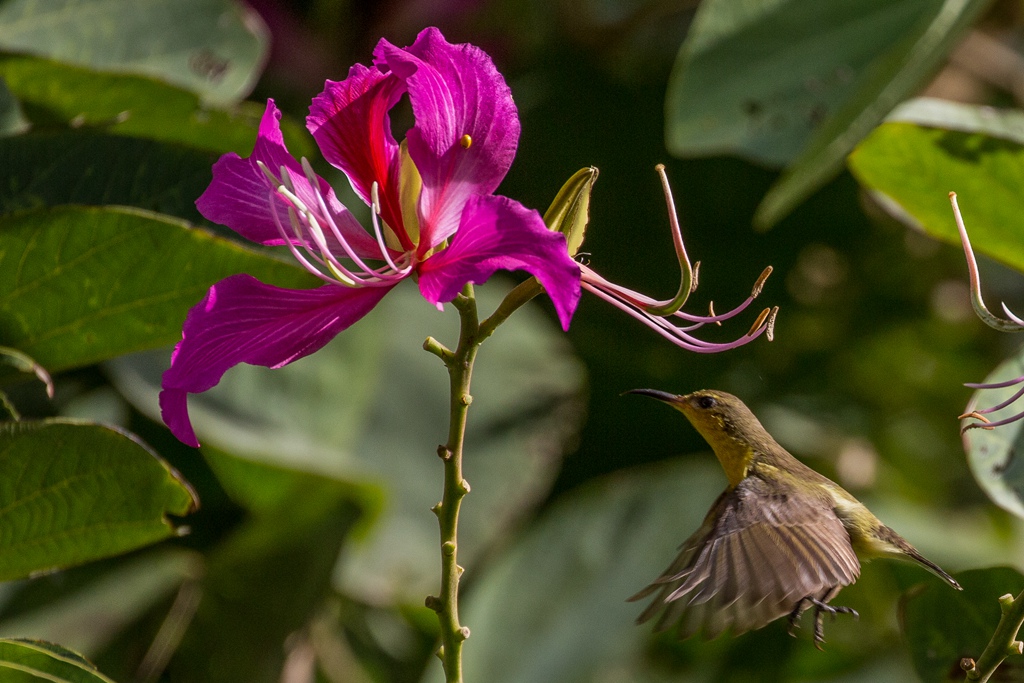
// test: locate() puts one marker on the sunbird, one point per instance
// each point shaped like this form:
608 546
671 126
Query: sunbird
781 539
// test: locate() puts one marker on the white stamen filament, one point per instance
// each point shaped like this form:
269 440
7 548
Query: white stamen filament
325 258
399 272
374 218
310 235
293 249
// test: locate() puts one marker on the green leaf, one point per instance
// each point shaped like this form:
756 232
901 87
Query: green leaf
943 626
265 583
215 48
52 169
896 75
52 93
88 617
25 363
978 153
757 79
370 408
80 285
560 592
72 492
33 661
995 455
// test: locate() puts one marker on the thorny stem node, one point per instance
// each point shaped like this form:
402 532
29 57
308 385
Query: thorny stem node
1003 643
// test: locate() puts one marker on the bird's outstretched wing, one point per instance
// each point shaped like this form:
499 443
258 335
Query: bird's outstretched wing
761 549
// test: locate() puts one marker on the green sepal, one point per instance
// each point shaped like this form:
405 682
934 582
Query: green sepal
569 213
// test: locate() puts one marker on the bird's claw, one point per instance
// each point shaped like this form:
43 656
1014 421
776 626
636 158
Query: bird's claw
820 609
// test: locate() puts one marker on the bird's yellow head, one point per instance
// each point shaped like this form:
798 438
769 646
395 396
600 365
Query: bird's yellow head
724 421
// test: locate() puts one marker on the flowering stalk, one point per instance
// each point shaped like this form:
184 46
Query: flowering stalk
460 374
1011 323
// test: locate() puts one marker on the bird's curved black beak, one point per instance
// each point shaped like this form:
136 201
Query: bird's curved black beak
654 393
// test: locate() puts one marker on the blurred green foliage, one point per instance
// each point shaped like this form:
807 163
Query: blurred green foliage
314 546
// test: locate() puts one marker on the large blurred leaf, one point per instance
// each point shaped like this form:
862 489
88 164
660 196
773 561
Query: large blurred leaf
757 79
51 169
976 152
12 119
79 285
895 76
560 593
87 617
942 626
215 48
58 94
803 94
73 492
995 455
31 661
372 406
266 582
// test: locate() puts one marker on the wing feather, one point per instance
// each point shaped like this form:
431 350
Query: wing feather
761 549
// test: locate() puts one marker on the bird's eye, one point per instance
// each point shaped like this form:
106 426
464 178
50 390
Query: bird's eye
706 402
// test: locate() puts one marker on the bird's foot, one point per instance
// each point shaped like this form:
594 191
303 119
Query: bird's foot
821 608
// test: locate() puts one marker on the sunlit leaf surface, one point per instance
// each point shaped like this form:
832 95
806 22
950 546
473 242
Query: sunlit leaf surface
125 104
931 149
124 278
31 661
213 47
74 492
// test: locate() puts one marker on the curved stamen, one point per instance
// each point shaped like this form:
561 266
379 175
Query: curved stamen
375 220
397 271
977 301
341 274
990 425
994 385
687 282
369 276
643 301
295 251
1000 406
325 257
1012 316
660 325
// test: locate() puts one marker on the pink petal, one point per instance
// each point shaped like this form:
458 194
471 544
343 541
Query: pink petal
455 91
349 121
242 320
498 233
240 194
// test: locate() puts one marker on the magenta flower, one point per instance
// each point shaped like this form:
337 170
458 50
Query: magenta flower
435 217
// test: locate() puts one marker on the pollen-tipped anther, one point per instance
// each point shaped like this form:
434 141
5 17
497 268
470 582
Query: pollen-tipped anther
761 317
759 284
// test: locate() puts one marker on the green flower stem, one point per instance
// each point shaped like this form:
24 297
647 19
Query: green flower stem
1003 643
460 374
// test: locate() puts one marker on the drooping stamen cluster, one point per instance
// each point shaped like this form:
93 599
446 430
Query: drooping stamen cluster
663 316
1011 323
308 233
